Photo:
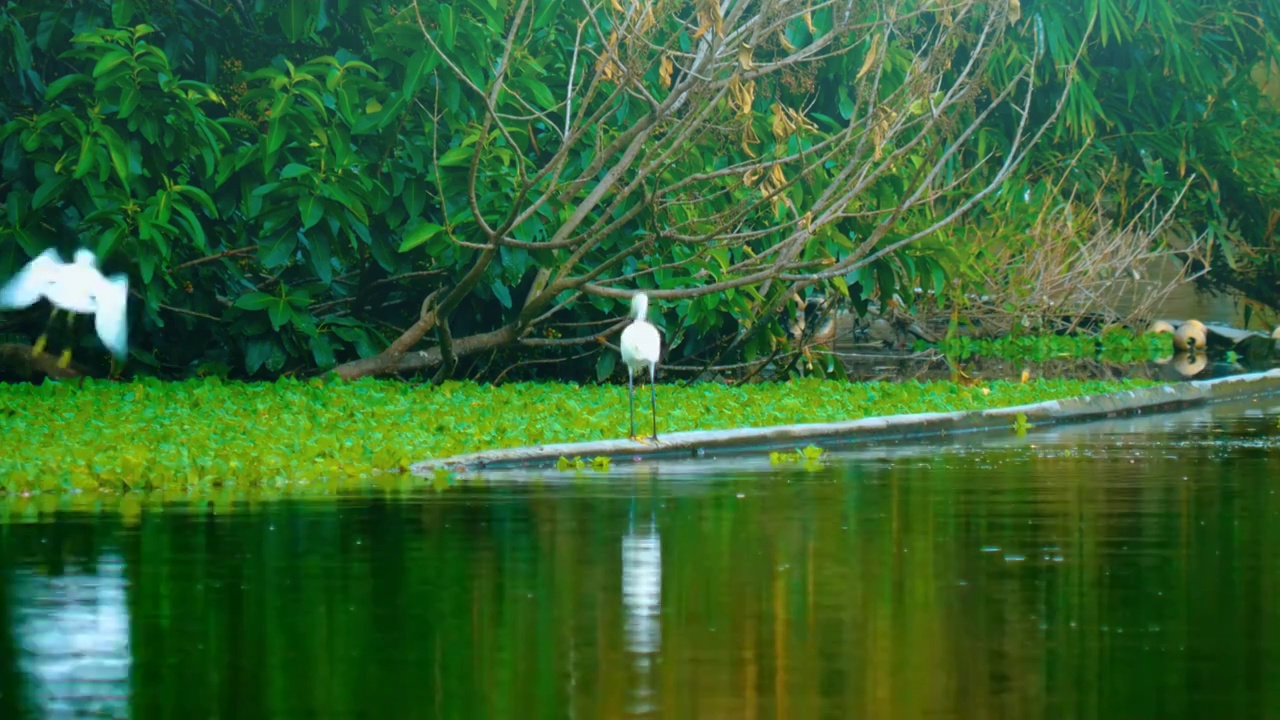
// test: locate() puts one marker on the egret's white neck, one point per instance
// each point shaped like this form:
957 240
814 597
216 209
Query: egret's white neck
639 306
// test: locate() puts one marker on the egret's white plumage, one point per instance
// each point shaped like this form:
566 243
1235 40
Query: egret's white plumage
641 346
76 287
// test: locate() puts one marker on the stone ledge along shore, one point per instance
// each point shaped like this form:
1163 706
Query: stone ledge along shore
1157 399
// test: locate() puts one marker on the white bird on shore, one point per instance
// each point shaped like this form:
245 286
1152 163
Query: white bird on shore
641 346
74 287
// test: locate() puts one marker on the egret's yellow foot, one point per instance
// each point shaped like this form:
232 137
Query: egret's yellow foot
64 359
39 346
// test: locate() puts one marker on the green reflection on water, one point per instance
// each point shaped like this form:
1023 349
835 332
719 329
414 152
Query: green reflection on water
1093 576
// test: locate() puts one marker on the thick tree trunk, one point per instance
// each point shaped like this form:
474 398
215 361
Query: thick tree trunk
388 362
16 360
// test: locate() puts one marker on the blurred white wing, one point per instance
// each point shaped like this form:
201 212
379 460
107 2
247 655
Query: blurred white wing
29 284
111 319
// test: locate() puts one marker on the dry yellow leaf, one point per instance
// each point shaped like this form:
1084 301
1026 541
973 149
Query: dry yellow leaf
781 128
800 122
709 18
664 71
1015 11
646 19
744 56
808 21
870 59
777 178
749 138
741 95
618 6
786 44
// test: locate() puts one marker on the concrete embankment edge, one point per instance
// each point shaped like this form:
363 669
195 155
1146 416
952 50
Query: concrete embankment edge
1156 399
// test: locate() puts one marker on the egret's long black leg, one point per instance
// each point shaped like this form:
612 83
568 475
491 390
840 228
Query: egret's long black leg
653 397
631 390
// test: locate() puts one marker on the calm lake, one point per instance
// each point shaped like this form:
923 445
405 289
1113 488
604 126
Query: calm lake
1123 569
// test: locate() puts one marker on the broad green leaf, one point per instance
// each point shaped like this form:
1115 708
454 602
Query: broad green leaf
311 209
254 301
501 292
605 365
293 170
456 157
256 353
129 97
448 26
121 12
109 61
274 253
293 19
117 150
193 225
88 150
199 196
57 87
419 235
280 313
321 260
48 190
322 351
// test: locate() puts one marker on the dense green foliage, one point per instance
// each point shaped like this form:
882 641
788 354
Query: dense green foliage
200 433
1175 95
293 185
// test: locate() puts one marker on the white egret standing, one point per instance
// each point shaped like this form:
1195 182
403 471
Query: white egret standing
641 346
75 287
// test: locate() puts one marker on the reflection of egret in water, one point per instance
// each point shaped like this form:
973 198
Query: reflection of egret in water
72 633
642 604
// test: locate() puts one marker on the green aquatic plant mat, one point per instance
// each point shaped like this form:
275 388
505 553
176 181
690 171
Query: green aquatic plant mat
1115 345
208 432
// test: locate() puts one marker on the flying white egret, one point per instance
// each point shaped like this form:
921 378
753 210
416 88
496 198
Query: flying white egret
74 287
641 346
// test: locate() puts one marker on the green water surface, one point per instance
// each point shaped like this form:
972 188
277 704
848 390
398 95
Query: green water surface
1127 569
